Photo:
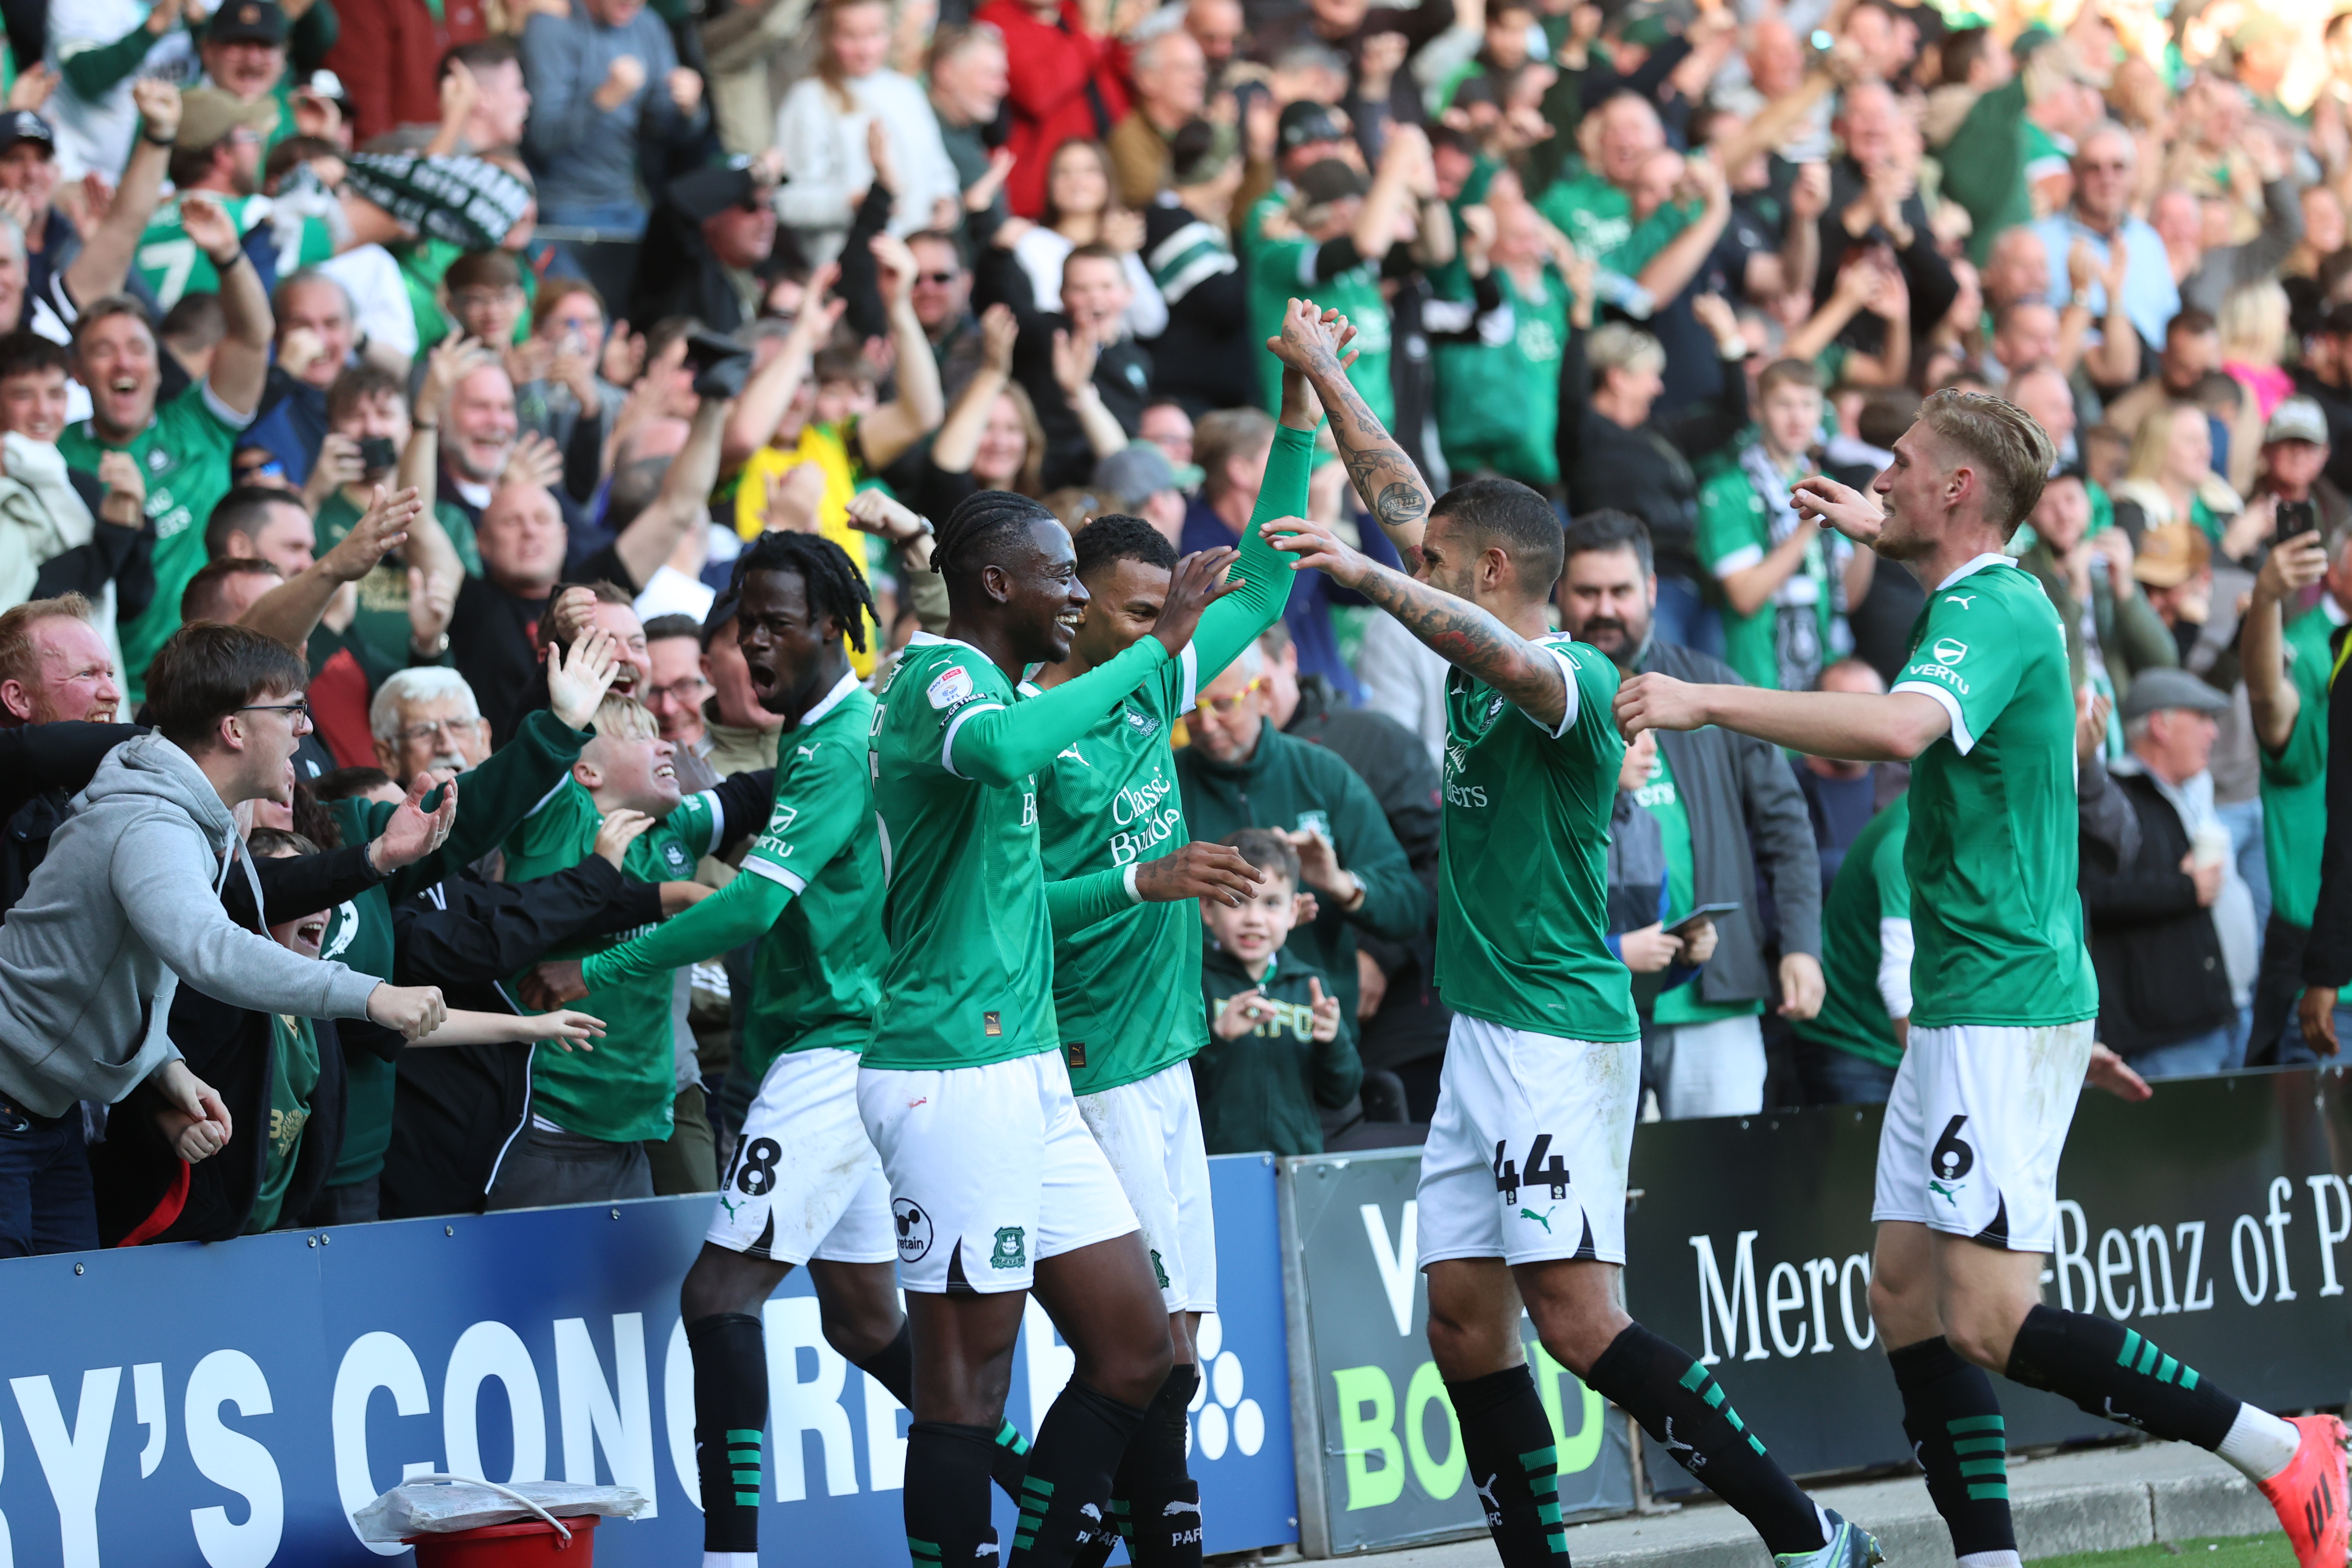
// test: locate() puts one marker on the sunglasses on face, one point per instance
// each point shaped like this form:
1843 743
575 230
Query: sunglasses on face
1226 706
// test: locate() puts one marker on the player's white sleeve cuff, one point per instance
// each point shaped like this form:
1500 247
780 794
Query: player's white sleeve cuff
796 884
1134 894
1961 735
947 744
1189 662
1895 967
1568 681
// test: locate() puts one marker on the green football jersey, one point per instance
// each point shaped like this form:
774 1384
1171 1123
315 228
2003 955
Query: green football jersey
172 264
382 622
1497 403
1523 881
1786 642
817 973
1870 887
1282 269
1126 990
183 452
622 1090
2295 779
970 978
1991 857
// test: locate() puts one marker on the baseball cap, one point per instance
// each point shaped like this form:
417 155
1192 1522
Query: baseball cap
2338 322
2154 690
1304 121
24 125
1328 180
2170 555
248 21
2296 419
1135 473
705 193
207 115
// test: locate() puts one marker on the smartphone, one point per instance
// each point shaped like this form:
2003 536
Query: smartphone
377 453
1681 928
2296 517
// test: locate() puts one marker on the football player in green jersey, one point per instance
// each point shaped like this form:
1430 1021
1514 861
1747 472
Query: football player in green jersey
1523 1179
1127 989
805 1185
2003 997
995 1182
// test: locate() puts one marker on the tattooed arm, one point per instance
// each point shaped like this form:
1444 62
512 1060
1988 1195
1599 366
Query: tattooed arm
1460 632
1392 488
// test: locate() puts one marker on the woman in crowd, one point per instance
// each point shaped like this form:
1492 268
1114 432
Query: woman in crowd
1082 207
2253 329
823 130
2170 480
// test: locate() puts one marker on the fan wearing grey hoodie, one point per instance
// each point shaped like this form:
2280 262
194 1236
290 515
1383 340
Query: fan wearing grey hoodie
128 904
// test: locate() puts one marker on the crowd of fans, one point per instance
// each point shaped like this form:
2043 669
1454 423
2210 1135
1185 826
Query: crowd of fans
388 390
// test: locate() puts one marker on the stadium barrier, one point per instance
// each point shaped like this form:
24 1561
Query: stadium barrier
229 1405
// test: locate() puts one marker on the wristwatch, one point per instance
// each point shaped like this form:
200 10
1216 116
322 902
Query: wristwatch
440 647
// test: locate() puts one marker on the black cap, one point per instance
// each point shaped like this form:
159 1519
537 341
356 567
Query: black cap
1329 180
24 125
2338 322
722 610
1304 121
248 21
706 193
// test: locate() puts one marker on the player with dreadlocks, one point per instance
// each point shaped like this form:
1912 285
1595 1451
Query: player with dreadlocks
804 1186
996 1185
1127 991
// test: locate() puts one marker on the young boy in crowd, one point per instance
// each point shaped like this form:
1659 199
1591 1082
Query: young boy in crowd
1275 1051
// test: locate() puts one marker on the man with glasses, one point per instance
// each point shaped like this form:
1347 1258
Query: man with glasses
2101 214
427 719
675 685
133 873
942 301
1241 772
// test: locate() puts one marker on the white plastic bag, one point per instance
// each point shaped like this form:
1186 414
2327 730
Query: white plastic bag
439 1506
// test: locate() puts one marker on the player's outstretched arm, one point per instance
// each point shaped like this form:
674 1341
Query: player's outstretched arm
1388 482
1194 871
1003 746
1894 728
1460 632
1842 507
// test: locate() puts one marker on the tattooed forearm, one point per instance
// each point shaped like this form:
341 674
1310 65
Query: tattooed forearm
1473 641
1389 484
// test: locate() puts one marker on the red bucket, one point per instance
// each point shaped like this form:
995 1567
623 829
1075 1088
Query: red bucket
527 1544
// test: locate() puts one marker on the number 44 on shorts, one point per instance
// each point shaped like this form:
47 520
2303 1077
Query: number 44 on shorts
1539 1172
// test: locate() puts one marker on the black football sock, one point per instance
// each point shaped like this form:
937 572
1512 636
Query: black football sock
1680 1405
1155 1502
2111 1372
1514 1464
946 1496
731 1414
1012 1462
893 1367
1065 1496
1953 1418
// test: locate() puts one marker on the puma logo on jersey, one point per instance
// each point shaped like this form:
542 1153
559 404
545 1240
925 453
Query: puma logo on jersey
1071 751
1962 600
809 751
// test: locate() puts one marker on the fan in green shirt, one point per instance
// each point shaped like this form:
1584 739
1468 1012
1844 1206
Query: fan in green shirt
622 1092
182 447
1866 944
1329 238
1497 403
2287 690
1786 581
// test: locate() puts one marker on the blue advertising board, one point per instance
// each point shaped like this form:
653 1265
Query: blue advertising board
230 1405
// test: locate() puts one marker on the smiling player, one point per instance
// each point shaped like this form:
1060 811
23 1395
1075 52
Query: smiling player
2003 995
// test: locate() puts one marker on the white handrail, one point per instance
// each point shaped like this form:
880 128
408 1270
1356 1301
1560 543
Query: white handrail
502 1491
